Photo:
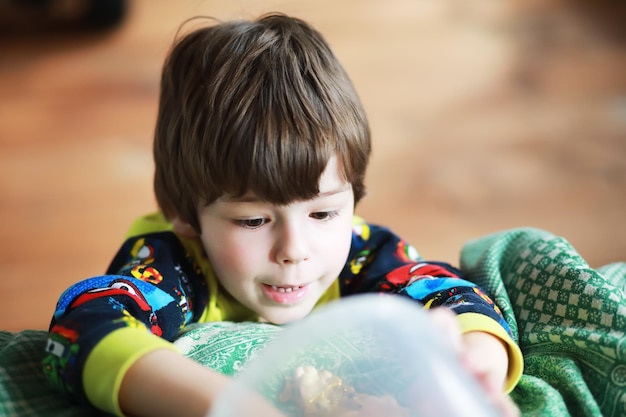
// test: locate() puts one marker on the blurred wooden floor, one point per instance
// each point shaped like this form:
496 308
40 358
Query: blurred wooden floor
484 117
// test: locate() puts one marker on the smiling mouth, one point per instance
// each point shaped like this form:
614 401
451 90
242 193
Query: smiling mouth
286 295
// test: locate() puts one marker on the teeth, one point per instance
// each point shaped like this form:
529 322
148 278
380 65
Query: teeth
285 289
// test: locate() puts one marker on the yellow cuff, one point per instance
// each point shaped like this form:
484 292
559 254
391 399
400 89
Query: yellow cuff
472 322
109 360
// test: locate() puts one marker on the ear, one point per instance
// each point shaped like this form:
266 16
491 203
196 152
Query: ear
183 228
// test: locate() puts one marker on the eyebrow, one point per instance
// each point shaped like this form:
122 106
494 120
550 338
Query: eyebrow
251 198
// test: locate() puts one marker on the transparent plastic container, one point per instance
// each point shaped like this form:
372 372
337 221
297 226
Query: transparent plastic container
368 355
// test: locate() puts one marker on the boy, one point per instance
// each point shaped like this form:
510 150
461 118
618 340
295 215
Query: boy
261 147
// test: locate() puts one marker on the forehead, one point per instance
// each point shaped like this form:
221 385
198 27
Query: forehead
332 178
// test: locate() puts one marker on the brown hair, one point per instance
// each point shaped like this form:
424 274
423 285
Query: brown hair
254 106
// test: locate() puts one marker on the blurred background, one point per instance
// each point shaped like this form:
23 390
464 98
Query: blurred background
486 115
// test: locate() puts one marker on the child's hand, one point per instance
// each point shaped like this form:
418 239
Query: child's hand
484 356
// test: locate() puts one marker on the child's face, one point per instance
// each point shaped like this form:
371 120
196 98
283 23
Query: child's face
279 260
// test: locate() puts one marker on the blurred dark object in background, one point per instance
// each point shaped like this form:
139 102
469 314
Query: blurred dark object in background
36 17
570 47
609 16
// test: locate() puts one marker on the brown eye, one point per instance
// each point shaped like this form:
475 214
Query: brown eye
323 215
251 223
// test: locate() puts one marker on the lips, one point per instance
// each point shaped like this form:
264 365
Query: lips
285 294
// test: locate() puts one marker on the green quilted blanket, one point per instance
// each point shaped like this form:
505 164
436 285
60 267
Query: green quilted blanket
570 321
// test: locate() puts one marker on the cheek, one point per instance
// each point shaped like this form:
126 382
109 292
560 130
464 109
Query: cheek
337 246
230 258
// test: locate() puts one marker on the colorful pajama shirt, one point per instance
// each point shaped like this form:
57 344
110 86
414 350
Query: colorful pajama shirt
160 282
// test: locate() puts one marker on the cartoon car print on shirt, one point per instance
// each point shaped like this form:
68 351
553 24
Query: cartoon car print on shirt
361 259
125 287
406 275
406 252
61 351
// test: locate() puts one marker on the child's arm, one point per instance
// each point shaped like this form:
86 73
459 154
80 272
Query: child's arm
102 326
165 383
382 262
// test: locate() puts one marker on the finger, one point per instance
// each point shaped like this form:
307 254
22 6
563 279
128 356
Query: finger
490 381
485 357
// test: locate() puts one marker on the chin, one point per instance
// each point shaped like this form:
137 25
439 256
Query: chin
286 315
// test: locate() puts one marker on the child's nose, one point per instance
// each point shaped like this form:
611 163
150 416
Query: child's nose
291 247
